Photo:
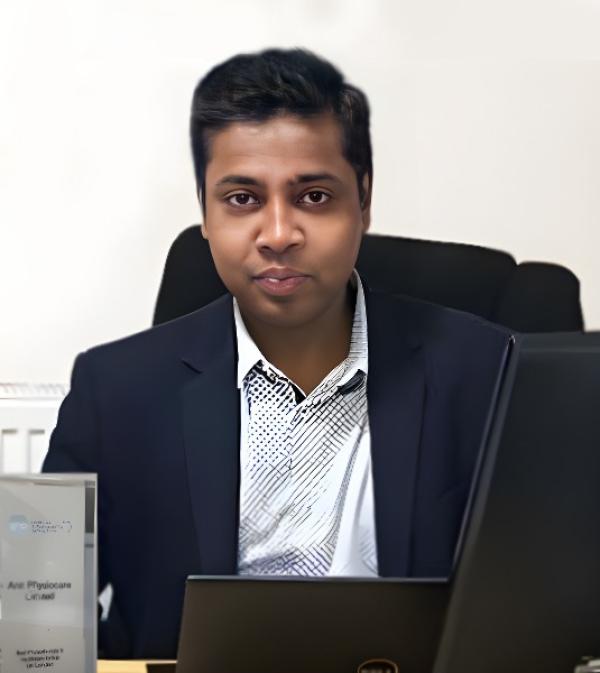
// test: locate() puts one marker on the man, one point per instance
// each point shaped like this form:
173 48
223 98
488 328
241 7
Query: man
299 425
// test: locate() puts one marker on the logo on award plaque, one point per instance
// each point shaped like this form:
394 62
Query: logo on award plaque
18 524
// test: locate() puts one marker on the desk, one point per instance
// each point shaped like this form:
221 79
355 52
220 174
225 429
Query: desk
131 666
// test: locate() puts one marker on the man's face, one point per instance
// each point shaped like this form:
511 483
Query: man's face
283 217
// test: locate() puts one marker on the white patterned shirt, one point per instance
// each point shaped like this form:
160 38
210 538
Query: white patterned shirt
306 487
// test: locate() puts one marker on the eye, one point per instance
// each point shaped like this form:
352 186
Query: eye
315 197
241 199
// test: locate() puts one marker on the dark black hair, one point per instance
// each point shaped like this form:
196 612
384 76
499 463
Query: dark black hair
256 87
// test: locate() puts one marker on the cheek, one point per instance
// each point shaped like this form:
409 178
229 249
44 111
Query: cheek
228 256
339 250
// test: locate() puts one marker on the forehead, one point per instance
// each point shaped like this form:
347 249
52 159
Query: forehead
281 143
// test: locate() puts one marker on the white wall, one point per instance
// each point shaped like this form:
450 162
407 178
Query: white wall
485 127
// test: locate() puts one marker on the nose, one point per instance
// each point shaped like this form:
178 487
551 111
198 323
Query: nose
279 231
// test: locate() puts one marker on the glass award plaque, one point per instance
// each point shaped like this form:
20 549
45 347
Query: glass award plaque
48 583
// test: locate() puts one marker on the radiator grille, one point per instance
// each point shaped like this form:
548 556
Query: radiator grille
27 417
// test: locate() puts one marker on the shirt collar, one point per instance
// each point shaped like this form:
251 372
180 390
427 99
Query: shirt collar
358 355
248 352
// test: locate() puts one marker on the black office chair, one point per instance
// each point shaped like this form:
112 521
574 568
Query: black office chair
526 297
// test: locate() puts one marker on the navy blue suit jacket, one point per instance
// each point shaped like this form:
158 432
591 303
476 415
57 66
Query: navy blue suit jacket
156 415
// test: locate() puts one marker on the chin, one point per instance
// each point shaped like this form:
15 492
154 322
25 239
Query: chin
288 315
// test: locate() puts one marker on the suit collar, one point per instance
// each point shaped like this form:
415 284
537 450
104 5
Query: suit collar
209 334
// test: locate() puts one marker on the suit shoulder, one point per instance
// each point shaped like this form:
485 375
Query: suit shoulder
460 351
162 340
432 323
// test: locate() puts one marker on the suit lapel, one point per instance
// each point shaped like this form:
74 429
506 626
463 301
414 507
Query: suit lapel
396 397
211 435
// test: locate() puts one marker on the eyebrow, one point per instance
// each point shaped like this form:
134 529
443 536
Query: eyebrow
298 179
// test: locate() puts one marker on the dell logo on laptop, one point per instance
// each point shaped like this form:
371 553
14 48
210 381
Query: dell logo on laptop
378 666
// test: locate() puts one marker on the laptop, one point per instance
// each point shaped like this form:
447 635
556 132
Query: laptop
525 594
329 625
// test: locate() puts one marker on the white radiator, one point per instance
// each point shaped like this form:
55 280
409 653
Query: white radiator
27 417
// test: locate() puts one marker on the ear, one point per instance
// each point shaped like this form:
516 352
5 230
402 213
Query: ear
366 203
203 231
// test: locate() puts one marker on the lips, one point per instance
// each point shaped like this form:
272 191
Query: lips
280 281
280 273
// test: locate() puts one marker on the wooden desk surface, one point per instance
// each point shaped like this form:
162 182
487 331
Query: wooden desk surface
131 666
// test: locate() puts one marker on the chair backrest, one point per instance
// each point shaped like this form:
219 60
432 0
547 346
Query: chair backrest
466 277
529 297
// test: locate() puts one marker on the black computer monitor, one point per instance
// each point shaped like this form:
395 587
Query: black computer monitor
526 592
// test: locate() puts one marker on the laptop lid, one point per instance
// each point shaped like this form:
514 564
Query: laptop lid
526 593
329 625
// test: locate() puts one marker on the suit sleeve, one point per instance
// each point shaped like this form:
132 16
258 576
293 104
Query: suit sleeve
75 445
74 441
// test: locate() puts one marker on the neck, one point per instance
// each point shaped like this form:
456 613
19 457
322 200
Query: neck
306 354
